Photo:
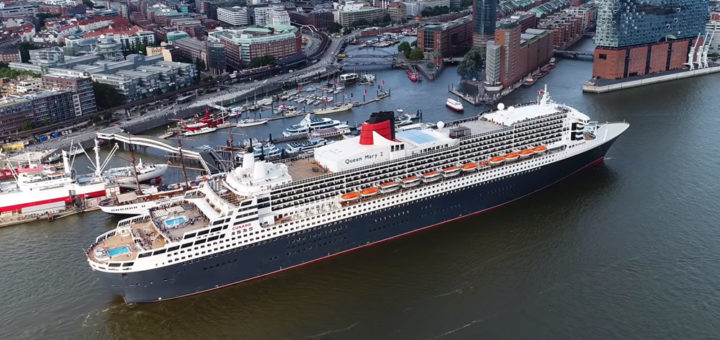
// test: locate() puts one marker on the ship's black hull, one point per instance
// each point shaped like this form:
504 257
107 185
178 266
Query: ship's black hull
245 263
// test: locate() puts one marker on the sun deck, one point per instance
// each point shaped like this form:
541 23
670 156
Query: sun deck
126 244
305 168
175 220
480 126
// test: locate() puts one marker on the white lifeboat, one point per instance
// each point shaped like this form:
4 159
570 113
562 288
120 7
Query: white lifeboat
451 171
431 176
410 182
389 187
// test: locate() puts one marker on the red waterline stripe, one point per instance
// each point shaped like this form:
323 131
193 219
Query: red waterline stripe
31 204
589 165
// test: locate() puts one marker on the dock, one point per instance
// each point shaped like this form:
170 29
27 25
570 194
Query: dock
603 86
91 204
474 100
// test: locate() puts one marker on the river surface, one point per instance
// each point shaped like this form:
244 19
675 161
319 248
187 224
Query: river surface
627 249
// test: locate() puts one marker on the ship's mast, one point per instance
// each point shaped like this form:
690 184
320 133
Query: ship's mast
182 161
134 168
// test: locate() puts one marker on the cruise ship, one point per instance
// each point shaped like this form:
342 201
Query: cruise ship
263 218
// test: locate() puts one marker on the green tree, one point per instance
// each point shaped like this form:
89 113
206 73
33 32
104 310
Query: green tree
28 125
7 72
334 27
107 96
472 64
261 61
25 48
42 16
405 48
416 54
360 23
435 10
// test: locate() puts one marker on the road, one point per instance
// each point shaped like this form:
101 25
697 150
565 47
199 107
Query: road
241 89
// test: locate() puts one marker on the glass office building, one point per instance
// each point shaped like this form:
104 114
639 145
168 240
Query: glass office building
623 23
484 15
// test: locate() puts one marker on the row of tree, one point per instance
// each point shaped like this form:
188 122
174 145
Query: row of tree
435 10
410 52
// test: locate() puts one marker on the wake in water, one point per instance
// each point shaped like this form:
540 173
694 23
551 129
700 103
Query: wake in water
332 331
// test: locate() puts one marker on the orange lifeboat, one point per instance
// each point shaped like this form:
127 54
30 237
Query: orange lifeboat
497 160
526 153
540 149
469 167
350 196
410 182
483 164
369 192
389 187
431 176
511 157
451 171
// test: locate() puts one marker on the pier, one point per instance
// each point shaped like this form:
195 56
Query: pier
603 86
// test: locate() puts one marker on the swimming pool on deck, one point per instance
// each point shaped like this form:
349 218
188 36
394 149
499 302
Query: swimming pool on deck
175 221
118 251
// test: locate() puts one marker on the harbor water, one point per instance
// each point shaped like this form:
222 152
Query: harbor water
627 249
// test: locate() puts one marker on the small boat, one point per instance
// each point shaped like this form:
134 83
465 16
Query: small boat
513 156
540 149
369 192
469 167
410 182
200 131
526 153
128 178
431 176
529 81
497 160
451 171
300 147
349 77
334 109
412 75
403 119
400 111
350 197
251 122
454 105
389 187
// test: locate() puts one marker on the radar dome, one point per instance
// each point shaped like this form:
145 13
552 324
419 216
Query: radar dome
501 106
440 125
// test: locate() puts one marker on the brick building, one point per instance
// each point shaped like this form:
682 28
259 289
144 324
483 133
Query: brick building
514 54
83 94
450 39
241 46
657 39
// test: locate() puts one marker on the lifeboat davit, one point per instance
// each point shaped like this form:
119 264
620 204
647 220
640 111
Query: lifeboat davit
369 192
431 176
389 187
469 167
483 164
511 157
497 160
526 153
410 182
350 197
540 149
451 171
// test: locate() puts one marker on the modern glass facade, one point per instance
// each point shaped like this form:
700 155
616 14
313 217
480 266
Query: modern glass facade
622 23
485 15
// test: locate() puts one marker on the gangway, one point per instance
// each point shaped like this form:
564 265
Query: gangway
157 143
